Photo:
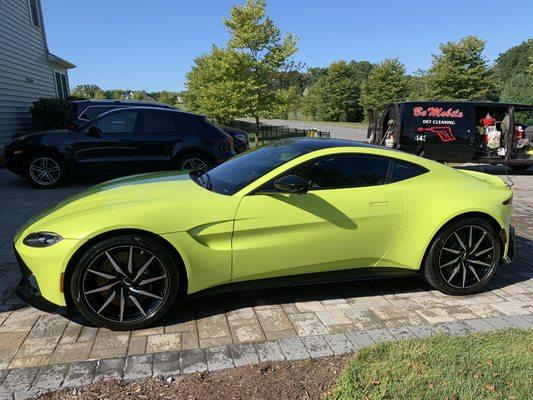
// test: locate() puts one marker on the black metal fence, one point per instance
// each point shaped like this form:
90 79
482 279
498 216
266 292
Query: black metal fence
270 133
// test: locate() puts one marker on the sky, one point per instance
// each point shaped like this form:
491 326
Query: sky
151 45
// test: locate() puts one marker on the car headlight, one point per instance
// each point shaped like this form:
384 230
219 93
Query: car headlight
41 239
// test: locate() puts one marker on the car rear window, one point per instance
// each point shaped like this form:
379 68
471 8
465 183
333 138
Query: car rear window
159 122
92 112
404 170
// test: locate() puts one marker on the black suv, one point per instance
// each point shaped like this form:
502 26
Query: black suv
120 142
83 111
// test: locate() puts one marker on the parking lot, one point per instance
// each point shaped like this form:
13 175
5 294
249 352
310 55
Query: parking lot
388 307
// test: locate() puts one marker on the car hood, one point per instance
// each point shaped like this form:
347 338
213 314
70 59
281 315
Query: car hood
158 202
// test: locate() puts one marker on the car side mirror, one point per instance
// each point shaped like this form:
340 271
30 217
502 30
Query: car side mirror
95 132
292 184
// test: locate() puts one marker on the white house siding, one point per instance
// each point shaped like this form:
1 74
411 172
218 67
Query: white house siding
26 74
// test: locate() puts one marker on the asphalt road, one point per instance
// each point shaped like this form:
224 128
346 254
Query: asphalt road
339 132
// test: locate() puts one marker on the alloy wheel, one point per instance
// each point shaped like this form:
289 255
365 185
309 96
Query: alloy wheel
467 256
45 171
194 164
125 284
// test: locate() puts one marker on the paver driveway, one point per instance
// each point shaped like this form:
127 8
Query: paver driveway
29 337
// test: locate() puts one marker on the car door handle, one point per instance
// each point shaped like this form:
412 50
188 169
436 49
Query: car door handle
378 203
127 141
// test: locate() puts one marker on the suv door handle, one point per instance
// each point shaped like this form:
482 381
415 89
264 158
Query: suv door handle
128 141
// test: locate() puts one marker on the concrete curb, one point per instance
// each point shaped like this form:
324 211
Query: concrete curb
24 383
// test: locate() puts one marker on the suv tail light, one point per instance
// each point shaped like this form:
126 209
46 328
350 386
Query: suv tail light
224 144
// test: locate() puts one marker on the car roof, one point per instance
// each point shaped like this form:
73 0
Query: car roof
313 144
145 108
119 102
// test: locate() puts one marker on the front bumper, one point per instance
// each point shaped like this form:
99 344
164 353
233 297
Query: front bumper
28 290
13 162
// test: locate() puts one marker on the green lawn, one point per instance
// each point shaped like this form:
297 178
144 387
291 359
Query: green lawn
496 365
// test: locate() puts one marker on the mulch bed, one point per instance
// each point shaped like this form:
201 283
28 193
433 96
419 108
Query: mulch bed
285 380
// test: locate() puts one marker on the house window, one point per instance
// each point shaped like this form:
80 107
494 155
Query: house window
34 13
61 85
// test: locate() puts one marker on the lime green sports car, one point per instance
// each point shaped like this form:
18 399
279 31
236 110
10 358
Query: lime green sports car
295 212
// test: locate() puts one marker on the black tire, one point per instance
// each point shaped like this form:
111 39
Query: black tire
56 170
190 161
123 311
520 167
449 278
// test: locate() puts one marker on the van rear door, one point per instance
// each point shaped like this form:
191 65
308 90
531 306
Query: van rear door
372 132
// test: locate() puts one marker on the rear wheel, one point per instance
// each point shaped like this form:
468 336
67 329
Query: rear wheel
193 162
125 283
46 170
463 256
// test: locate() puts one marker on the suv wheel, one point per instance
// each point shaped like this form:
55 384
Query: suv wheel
463 257
46 170
193 161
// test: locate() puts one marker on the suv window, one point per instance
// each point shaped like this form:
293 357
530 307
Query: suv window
345 171
92 112
404 170
159 122
121 122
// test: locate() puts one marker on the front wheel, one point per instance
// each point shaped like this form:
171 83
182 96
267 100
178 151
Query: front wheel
125 283
46 170
463 257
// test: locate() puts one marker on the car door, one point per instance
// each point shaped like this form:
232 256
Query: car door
105 146
156 141
347 220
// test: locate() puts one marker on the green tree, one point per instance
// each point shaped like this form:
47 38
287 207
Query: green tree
254 34
335 96
461 72
387 83
87 91
219 85
312 101
518 89
516 60
343 90
418 86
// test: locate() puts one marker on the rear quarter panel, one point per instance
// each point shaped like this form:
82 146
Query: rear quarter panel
431 201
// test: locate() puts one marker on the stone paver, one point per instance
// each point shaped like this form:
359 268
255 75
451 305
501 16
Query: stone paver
138 366
166 364
193 360
249 327
218 358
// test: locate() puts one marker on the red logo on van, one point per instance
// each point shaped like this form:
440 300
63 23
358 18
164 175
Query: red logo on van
443 132
437 112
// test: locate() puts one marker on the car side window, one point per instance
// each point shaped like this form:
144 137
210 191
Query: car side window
122 122
404 170
345 171
159 122
92 112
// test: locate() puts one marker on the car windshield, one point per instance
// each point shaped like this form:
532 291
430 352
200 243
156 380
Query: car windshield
235 174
